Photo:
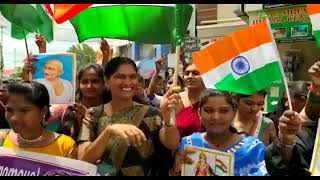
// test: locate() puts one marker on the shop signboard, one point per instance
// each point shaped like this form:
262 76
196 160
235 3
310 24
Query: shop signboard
289 24
189 46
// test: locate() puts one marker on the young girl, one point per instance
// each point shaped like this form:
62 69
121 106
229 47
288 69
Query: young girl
250 121
90 92
217 111
27 114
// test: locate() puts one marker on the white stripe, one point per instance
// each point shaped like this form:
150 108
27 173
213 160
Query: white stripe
315 21
259 57
265 53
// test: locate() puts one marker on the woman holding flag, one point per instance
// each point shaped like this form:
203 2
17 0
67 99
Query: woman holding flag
187 120
293 152
128 135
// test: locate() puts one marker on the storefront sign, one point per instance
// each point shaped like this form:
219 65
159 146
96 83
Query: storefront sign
190 45
288 24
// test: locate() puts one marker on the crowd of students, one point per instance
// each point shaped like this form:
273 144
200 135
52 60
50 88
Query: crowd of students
123 127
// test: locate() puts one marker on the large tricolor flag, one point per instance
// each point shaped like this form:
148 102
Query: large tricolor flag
314 15
63 12
145 23
244 62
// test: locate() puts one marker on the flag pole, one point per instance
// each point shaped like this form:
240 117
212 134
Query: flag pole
25 41
175 83
178 40
280 66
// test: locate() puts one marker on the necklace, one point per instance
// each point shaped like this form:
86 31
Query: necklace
31 140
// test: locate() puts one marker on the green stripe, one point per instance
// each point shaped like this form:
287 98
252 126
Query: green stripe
317 37
253 82
145 24
46 29
221 168
26 19
22 15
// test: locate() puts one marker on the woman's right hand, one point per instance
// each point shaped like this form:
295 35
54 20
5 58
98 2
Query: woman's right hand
41 43
104 46
182 158
171 100
132 135
28 67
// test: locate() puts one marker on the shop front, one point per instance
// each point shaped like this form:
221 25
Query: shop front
292 31
293 34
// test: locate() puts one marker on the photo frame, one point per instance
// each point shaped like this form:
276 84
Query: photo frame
58 73
209 162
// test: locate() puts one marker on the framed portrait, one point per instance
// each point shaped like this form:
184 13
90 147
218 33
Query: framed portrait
58 73
208 162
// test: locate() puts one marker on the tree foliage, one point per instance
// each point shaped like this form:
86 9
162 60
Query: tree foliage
84 53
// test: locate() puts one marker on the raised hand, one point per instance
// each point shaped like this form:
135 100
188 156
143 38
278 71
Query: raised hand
41 43
314 73
104 46
289 126
171 100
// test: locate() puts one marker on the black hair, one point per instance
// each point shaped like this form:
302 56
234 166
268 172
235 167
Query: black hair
186 66
106 96
262 92
113 65
230 99
98 68
69 125
34 92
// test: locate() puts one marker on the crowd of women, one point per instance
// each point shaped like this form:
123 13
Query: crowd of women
123 126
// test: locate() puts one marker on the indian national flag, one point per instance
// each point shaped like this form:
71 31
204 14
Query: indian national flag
314 15
145 23
63 12
244 62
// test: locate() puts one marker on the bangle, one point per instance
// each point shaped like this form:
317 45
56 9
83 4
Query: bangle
314 97
285 146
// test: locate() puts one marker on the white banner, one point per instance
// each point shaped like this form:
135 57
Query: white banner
24 163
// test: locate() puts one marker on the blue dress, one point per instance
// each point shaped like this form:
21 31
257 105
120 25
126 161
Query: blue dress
248 154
